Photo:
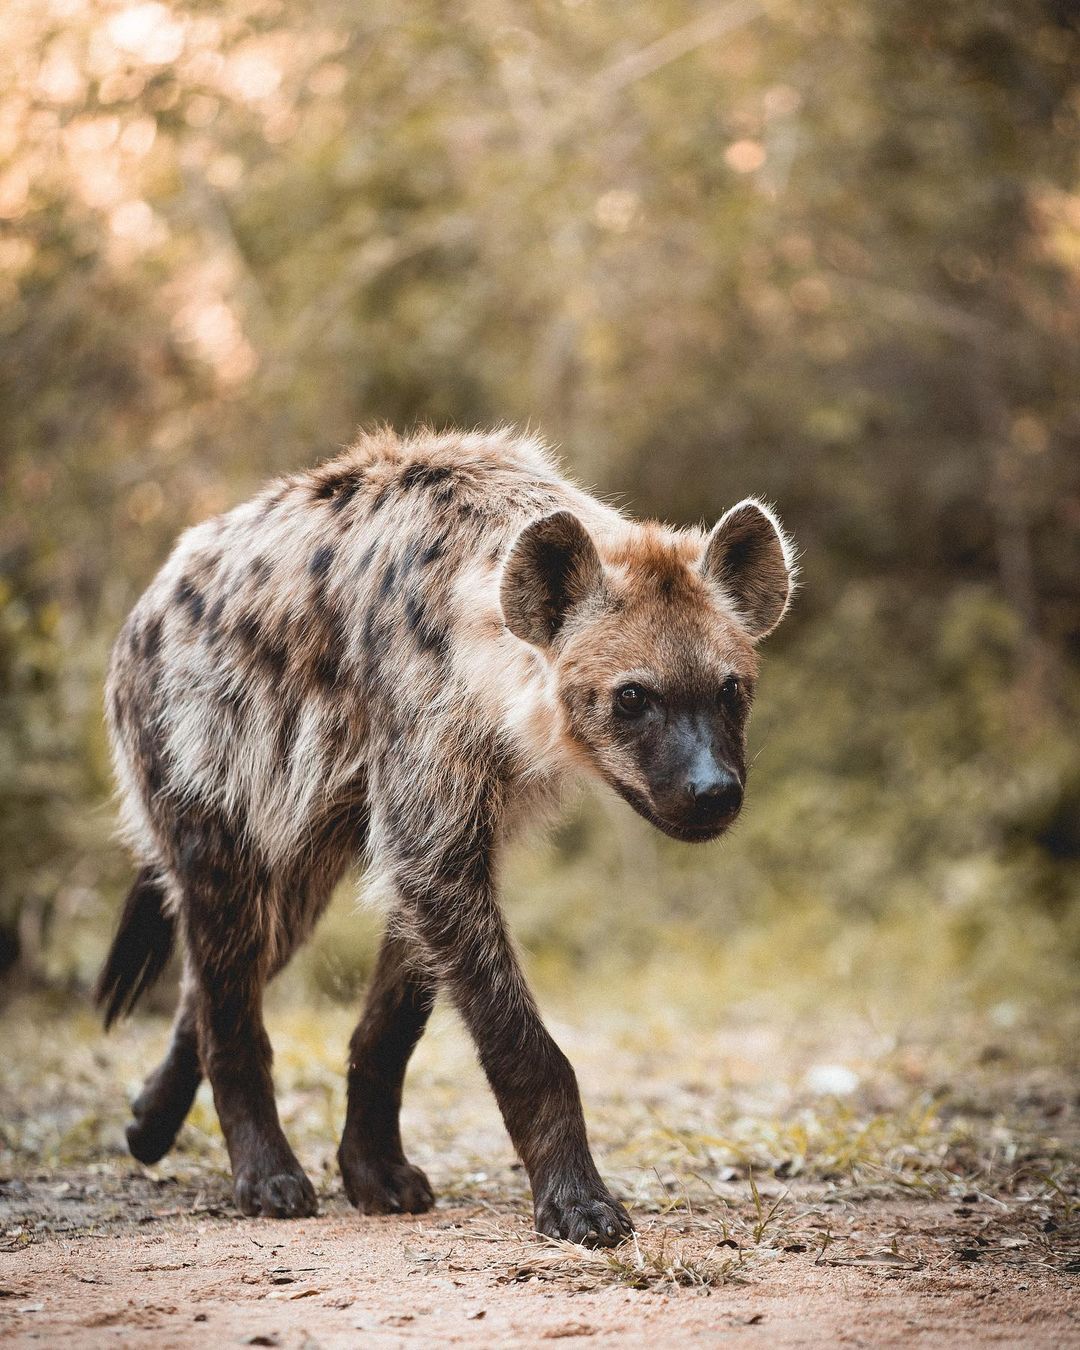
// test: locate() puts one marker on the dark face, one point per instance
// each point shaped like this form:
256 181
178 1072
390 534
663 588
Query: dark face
687 749
654 652
659 699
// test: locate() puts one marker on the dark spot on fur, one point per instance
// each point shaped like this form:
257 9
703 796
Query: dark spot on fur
149 758
372 629
327 668
248 631
274 657
409 557
260 571
273 660
376 642
414 612
435 640
269 654
389 577
433 551
425 475
384 495
213 619
190 598
152 638
321 560
338 487
345 494
430 636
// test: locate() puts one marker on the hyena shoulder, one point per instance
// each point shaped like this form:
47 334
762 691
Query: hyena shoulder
284 643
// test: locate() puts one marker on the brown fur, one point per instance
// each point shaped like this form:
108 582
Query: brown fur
397 657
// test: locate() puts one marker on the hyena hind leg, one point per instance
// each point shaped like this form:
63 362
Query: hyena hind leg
166 1097
378 1177
230 960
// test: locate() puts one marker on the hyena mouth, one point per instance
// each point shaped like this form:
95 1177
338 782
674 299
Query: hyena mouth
694 834
685 831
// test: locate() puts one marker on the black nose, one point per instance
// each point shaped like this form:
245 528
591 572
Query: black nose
715 797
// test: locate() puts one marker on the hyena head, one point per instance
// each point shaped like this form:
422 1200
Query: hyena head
653 652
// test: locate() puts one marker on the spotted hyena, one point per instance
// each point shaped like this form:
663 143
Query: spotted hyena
398 657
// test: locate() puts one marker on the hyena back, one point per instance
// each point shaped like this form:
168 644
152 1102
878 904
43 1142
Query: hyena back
398 656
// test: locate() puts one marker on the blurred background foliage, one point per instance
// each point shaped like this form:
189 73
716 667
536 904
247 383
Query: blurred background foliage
825 253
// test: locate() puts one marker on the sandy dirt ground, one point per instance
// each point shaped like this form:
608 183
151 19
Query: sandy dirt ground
897 1275
905 1190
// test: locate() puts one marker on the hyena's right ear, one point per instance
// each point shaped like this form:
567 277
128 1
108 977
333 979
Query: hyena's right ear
552 567
751 559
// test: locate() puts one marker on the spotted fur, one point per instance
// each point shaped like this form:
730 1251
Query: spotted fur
399 657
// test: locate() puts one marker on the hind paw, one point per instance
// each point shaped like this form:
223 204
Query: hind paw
149 1138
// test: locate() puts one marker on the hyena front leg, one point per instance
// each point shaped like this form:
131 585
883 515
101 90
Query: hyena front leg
446 888
378 1177
166 1097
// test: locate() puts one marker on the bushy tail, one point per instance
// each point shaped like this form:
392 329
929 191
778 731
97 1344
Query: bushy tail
140 949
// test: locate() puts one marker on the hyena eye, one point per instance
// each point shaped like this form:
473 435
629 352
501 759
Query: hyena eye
730 691
631 700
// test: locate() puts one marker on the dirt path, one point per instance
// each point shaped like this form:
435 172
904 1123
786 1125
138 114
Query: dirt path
792 1184
891 1275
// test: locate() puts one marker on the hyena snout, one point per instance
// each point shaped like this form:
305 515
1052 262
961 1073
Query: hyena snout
713 799
698 792
701 806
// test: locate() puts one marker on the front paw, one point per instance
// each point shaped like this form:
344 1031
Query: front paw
582 1212
276 1195
382 1186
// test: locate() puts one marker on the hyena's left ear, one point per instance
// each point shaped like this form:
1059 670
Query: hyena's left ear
751 559
552 567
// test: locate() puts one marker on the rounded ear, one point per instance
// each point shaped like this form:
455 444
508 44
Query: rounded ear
752 561
552 567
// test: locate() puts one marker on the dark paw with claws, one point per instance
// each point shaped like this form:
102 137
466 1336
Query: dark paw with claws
381 1186
280 1195
584 1214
